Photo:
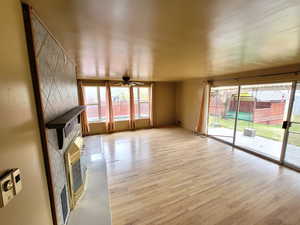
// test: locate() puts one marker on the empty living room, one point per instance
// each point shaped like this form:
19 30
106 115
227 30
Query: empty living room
150 112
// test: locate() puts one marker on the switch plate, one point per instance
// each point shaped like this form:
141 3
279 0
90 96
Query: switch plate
16 179
6 190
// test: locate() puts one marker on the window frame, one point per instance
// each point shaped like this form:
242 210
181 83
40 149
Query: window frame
139 117
138 101
98 104
120 119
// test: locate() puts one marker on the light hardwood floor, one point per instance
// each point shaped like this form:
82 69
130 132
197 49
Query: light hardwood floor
169 176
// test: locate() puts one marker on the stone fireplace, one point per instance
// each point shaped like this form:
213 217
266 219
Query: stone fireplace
57 90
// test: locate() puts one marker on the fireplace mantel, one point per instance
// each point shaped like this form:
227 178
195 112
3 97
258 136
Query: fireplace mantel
65 123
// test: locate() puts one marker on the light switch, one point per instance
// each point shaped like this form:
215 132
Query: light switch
6 189
16 179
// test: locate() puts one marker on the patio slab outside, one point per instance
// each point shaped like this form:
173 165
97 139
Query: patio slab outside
259 144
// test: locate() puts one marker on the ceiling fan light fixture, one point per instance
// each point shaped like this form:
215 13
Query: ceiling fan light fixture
126 81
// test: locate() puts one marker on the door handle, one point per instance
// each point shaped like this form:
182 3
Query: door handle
286 124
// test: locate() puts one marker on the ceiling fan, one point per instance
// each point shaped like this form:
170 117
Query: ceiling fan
126 81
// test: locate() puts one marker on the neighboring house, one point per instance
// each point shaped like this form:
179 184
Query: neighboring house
262 110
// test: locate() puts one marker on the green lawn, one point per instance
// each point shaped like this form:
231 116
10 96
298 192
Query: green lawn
274 132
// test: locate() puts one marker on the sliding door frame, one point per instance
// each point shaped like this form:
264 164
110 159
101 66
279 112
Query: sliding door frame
280 161
235 119
288 119
287 132
236 114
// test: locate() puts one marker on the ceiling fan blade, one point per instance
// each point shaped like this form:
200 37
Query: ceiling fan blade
118 83
138 83
132 84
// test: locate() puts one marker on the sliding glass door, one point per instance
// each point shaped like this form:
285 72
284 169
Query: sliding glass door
261 118
222 112
262 109
292 152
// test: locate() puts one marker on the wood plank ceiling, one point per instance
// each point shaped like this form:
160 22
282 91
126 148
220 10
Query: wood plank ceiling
174 39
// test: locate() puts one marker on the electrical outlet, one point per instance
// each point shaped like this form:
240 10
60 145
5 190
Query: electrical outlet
6 189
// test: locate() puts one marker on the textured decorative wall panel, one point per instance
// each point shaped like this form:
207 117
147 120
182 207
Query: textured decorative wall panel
58 87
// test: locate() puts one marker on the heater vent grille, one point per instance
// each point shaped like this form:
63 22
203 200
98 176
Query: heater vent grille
76 173
64 204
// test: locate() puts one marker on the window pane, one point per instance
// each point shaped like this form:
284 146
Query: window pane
136 102
261 113
120 102
144 94
96 111
296 107
103 104
91 95
92 113
222 112
142 103
292 155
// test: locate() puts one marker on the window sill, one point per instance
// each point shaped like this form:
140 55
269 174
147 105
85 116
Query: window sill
121 120
92 122
125 120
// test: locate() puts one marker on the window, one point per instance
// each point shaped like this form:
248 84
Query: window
95 98
97 107
222 111
251 117
120 103
141 102
262 109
